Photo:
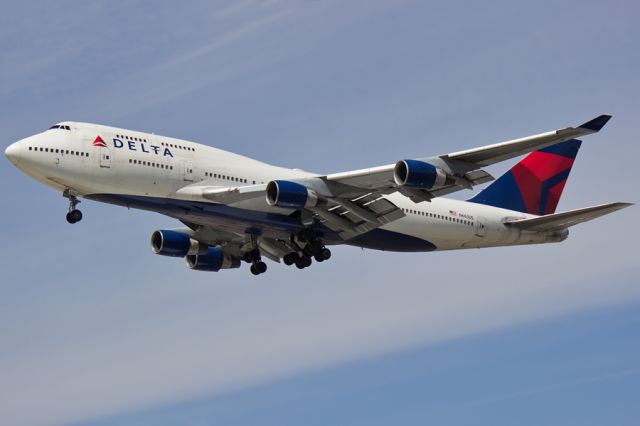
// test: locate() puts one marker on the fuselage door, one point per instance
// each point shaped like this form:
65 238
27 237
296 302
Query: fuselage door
105 157
187 168
481 226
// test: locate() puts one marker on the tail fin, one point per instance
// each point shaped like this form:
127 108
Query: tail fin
535 184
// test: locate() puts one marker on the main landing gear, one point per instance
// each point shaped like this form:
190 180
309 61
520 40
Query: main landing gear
312 248
305 245
257 265
74 215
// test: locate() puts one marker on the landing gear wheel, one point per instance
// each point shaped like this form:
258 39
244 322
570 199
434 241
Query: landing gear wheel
254 270
74 216
322 255
289 259
326 254
303 261
261 267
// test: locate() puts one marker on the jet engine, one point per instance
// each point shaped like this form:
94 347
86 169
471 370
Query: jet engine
213 260
418 174
174 244
291 195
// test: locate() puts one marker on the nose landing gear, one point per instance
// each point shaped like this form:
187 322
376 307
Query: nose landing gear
74 215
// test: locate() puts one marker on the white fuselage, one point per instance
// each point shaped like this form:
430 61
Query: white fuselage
137 164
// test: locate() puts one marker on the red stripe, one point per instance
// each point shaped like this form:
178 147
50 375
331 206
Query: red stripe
553 197
545 165
530 187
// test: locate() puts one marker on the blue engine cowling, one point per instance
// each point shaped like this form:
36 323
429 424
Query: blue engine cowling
213 260
172 243
291 195
415 173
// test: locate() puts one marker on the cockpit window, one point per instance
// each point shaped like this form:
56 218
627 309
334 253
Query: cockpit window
60 126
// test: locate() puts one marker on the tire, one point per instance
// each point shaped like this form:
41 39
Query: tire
326 254
261 267
254 270
74 216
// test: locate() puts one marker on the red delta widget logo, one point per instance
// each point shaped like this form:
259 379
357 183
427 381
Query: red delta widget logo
139 146
99 142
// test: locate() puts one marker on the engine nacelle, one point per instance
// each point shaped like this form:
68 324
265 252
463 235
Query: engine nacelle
290 195
213 260
174 244
415 173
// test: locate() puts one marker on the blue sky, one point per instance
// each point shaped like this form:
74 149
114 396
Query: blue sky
97 329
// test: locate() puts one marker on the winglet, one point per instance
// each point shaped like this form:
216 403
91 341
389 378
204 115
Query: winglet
596 124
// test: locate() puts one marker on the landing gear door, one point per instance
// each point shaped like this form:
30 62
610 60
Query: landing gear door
481 227
105 157
187 171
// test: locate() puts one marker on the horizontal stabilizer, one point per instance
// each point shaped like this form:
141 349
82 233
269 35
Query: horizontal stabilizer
558 221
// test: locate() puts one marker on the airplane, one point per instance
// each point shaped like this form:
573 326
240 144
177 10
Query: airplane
236 209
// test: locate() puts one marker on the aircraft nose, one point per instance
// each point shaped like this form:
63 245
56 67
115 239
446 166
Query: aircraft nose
13 153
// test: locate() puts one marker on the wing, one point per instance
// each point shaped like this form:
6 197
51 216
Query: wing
354 191
466 166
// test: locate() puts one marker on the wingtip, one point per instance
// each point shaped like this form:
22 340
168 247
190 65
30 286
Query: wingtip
625 205
597 123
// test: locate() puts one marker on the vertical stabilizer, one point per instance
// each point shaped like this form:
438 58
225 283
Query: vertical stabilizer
535 184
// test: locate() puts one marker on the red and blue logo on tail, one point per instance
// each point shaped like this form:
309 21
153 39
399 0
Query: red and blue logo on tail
535 184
